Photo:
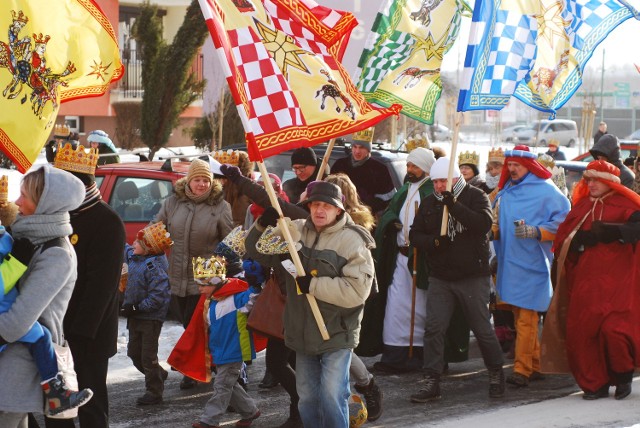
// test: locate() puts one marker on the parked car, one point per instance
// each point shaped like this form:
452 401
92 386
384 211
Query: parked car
511 132
541 131
627 148
635 135
136 190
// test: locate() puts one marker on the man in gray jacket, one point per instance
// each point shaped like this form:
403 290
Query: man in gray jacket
336 256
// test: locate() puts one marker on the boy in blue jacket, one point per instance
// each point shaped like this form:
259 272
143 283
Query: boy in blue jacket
226 306
146 303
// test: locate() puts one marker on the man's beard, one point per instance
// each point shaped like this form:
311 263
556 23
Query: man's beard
413 178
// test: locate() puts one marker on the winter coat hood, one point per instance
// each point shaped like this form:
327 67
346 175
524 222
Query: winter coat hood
215 196
608 146
62 192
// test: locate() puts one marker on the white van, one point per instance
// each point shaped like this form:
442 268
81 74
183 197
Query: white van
541 131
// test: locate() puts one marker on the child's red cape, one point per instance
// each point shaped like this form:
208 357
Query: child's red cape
191 355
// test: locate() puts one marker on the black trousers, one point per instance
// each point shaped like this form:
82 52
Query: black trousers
277 361
143 351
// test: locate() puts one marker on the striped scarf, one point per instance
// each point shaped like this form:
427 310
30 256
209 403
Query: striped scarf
91 197
453 225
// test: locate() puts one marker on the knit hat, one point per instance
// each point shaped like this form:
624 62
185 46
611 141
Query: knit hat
440 169
324 192
364 144
422 158
99 136
304 156
199 168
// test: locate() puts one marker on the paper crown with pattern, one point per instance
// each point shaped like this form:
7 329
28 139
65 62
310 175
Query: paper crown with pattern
547 161
235 241
417 141
206 268
61 130
496 155
469 158
77 160
230 157
364 135
272 242
154 238
4 189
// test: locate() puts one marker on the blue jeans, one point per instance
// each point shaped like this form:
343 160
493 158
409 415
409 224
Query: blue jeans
323 386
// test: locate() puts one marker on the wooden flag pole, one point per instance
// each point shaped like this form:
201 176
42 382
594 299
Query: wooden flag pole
295 258
325 159
452 163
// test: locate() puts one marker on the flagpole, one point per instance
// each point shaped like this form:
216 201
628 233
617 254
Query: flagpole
325 159
452 163
295 258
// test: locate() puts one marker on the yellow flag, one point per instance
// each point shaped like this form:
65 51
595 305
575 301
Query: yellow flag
51 51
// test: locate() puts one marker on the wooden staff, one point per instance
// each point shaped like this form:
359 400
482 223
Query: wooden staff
452 163
325 159
295 258
413 291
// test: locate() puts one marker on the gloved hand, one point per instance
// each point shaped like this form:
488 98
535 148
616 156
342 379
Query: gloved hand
128 309
525 231
304 282
269 217
233 173
23 250
397 226
441 243
583 238
606 233
448 199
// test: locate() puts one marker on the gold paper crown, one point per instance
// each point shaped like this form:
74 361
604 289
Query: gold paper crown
417 141
547 161
4 189
21 17
155 238
229 157
271 242
364 135
76 160
235 241
214 266
496 155
469 158
61 131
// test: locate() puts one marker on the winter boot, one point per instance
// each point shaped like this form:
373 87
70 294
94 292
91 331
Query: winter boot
60 398
623 387
268 381
373 397
430 389
496 382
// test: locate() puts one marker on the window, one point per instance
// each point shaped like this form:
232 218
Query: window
139 199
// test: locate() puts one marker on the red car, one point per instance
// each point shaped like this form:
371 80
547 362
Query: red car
136 190
627 148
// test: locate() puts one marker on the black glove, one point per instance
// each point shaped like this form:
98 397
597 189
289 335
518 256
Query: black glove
448 199
304 282
606 233
128 309
23 250
583 238
397 226
441 243
269 217
233 173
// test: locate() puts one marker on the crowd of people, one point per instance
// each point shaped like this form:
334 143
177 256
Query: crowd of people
366 270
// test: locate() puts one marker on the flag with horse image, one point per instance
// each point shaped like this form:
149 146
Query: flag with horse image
56 51
282 62
403 54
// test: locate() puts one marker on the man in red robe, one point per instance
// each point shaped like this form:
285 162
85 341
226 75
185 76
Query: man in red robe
597 247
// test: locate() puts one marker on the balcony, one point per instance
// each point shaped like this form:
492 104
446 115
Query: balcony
129 88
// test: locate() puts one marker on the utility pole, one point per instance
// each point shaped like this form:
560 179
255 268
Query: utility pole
602 89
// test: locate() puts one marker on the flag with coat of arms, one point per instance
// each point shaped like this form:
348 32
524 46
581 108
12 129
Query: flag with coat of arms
55 51
403 54
281 59
534 49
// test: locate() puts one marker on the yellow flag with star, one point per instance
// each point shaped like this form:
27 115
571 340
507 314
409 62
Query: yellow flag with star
52 51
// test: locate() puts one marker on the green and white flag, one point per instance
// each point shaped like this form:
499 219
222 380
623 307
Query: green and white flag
401 60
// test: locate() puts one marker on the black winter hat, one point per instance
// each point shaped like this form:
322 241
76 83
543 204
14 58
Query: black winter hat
304 156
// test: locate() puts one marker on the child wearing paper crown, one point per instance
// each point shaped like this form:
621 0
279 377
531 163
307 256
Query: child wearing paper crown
146 303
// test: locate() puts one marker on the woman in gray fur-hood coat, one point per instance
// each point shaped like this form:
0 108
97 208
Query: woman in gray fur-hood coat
45 290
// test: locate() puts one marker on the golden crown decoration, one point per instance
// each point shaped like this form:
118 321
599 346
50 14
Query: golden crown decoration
155 238
230 157
364 135
416 141
61 130
547 161
235 241
496 155
206 268
469 158
271 242
4 189
20 17
76 160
